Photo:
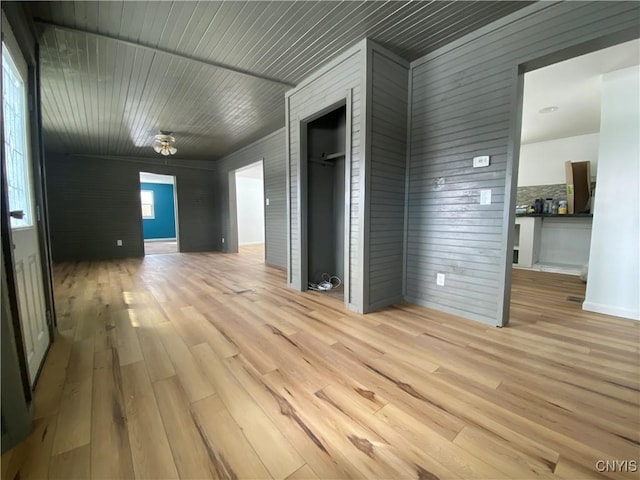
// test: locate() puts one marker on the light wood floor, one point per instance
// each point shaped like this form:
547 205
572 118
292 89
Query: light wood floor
206 365
153 248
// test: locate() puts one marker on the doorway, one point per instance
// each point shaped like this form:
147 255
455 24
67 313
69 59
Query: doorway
159 207
250 203
325 202
560 163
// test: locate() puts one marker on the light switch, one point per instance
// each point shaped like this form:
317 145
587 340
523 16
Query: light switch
482 161
485 197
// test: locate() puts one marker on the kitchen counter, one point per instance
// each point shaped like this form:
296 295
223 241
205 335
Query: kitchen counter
555 215
547 240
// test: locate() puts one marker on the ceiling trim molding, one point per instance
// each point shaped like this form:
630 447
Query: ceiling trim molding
171 53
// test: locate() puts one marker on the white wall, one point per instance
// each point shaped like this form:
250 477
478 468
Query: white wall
614 265
250 206
542 163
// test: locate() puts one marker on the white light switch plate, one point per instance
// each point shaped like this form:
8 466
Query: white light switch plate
485 197
482 161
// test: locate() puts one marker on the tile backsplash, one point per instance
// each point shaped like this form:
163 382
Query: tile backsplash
528 195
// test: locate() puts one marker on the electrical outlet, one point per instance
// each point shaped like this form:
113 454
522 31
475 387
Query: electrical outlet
267 202
223 240
119 243
482 161
440 279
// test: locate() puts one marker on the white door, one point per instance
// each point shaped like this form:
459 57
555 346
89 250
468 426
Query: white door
24 225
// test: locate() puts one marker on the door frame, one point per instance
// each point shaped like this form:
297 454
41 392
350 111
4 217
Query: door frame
175 208
176 225
35 148
38 172
513 151
233 240
303 191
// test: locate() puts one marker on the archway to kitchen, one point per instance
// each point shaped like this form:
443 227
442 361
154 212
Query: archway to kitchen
568 109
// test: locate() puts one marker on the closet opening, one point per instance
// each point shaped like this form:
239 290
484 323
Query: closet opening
326 200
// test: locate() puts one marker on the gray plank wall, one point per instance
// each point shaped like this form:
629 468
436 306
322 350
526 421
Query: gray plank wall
271 149
461 102
94 202
325 88
389 85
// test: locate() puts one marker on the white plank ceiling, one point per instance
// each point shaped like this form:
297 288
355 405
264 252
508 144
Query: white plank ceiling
102 96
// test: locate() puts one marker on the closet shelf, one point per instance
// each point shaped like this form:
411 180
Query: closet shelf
332 156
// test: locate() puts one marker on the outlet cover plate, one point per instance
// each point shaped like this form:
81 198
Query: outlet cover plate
485 197
440 279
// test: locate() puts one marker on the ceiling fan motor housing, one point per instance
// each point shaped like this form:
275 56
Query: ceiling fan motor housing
164 143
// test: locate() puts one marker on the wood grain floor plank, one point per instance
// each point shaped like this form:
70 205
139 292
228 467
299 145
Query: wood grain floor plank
367 450
191 376
501 455
126 339
71 465
274 450
52 378
189 451
74 414
230 451
150 449
425 465
326 461
30 459
235 330
303 473
110 446
205 331
155 355
568 470
454 458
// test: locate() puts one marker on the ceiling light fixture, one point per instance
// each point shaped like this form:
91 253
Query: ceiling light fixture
164 144
550 109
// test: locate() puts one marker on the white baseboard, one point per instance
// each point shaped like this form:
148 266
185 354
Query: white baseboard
563 269
612 310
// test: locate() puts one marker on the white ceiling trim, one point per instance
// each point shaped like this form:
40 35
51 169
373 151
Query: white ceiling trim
146 177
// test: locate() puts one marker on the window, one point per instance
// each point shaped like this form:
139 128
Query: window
146 197
15 140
